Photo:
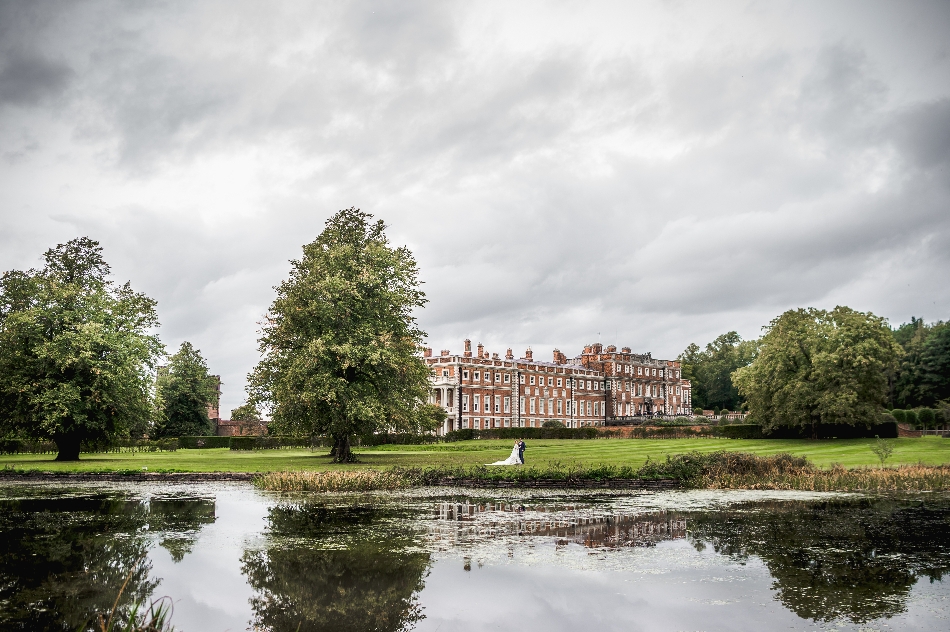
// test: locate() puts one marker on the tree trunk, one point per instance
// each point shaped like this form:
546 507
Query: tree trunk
68 447
341 452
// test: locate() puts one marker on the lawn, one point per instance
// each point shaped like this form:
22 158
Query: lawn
847 452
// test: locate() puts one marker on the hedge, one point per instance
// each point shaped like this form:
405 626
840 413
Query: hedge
27 446
884 430
397 438
587 432
192 443
254 442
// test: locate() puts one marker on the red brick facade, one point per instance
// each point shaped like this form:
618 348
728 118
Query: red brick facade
483 390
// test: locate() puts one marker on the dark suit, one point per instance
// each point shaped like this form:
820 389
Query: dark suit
521 447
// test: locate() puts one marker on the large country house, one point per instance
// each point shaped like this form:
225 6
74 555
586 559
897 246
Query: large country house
481 390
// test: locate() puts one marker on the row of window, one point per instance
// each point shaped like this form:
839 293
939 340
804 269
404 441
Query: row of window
535 405
532 380
485 424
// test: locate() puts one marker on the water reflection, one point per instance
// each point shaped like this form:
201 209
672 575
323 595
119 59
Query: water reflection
854 558
336 568
421 559
457 522
63 559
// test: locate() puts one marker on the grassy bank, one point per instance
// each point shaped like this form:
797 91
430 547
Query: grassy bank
543 453
718 470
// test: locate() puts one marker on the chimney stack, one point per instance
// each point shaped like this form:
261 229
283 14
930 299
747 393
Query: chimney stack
509 355
481 350
445 352
527 354
468 348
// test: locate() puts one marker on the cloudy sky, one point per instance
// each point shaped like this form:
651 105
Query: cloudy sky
646 174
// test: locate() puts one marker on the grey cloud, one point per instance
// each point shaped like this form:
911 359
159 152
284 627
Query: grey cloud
551 188
31 79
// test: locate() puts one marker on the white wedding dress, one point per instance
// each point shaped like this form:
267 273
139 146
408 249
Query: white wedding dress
511 460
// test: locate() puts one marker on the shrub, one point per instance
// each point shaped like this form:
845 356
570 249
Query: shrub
465 434
204 442
698 412
740 431
910 416
926 417
899 415
552 423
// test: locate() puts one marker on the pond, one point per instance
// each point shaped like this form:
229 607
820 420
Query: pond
234 558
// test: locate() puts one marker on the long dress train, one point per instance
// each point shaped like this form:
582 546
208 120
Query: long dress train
511 460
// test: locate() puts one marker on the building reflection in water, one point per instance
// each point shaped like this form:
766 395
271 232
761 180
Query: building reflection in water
464 522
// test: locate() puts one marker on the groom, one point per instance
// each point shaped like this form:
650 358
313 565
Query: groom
521 447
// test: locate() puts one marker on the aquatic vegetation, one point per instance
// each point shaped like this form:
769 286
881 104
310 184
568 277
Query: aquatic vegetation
716 470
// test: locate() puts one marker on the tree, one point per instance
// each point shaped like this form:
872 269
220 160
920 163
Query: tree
76 350
340 342
819 367
246 412
183 392
710 370
923 377
430 417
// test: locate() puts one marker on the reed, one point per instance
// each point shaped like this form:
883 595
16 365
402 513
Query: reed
716 470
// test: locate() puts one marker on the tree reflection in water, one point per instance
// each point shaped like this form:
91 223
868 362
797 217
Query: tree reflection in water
336 568
63 560
851 558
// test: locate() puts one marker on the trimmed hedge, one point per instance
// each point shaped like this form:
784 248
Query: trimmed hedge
395 438
254 442
26 446
884 430
740 431
192 443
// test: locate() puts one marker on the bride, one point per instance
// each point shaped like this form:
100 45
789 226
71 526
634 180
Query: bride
513 459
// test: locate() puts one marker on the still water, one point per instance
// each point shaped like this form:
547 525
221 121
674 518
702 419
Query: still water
234 558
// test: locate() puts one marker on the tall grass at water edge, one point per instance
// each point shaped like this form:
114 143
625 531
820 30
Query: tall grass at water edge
716 470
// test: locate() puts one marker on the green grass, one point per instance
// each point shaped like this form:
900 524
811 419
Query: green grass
543 452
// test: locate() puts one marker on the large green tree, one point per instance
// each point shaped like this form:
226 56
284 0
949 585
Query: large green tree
76 350
710 370
183 392
340 342
819 367
923 378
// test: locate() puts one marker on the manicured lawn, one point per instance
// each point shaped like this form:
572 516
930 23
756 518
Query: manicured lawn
850 453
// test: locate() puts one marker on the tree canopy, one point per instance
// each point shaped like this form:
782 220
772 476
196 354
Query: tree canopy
340 342
819 367
710 371
183 392
76 350
246 412
923 377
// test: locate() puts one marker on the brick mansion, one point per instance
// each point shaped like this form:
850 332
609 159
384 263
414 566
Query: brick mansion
481 390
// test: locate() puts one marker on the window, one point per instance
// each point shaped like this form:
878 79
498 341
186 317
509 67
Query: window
487 403
507 378
588 409
507 423
464 403
639 370
497 403
560 404
532 380
478 376
522 379
640 390
476 401
507 404
654 371
596 386
550 381
677 390
560 382
464 375
498 377
588 384
532 405
445 372
541 406
550 406
521 406
596 409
